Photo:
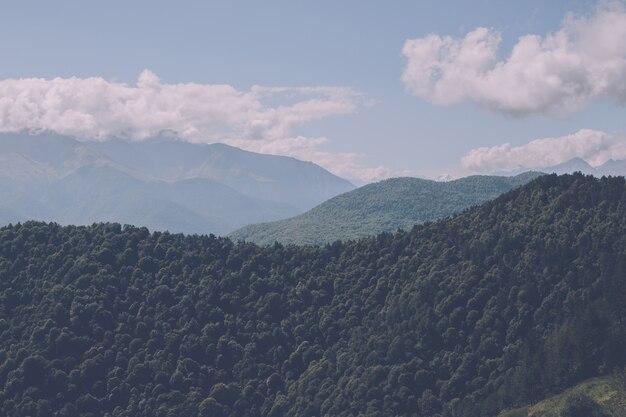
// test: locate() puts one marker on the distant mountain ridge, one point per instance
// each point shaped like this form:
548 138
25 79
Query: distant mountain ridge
164 184
382 207
615 168
270 177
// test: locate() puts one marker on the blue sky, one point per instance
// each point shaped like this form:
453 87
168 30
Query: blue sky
348 44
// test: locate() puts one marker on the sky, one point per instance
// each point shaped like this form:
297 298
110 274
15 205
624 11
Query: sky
366 89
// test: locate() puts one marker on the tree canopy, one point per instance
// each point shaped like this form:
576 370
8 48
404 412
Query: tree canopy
385 206
497 307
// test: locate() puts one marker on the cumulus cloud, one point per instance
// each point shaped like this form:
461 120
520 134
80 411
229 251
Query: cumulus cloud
94 108
595 147
262 119
555 74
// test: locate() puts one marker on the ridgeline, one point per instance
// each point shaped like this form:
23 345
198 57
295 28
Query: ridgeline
385 206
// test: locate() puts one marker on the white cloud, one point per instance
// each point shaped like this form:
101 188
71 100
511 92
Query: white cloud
94 108
593 146
554 75
263 119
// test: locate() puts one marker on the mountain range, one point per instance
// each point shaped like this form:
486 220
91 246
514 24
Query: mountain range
168 184
611 167
385 206
161 183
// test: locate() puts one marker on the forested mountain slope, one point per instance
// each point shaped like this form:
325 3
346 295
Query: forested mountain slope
385 206
499 307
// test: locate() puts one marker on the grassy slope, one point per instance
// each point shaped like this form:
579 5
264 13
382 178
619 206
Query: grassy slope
608 392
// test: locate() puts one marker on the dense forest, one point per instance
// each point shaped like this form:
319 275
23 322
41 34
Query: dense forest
498 307
385 206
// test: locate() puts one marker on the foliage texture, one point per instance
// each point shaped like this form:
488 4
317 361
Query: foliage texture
497 307
386 206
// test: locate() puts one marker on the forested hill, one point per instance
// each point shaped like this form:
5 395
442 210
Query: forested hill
496 308
386 206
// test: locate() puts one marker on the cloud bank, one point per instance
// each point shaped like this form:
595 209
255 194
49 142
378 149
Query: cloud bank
556 74
595 147
263 119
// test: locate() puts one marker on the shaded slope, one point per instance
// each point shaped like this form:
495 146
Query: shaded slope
397 203
501 306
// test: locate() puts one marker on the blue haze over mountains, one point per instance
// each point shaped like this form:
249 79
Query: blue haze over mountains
611 167
160 183
167 184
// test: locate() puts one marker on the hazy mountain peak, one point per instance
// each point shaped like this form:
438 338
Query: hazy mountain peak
41 157
270 177
202 188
